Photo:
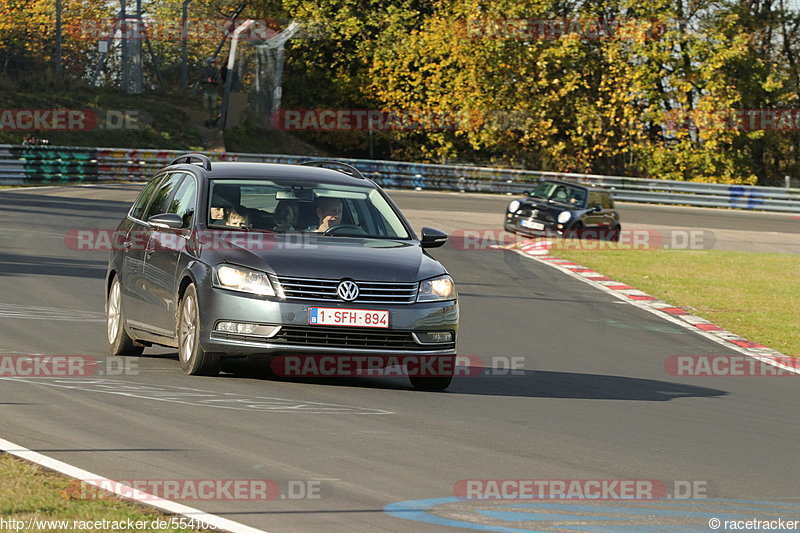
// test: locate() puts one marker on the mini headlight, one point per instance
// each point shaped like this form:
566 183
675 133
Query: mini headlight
564 216
244 280
513 206
436 289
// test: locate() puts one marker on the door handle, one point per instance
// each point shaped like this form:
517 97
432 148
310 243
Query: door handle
150 248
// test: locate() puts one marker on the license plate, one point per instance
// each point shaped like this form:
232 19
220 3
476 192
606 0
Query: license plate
531 224
332 316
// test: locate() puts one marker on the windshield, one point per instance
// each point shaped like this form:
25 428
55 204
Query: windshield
560 192
292 206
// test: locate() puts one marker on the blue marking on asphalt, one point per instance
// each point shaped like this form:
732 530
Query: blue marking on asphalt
510 516
628 510
418 510
702 501
654 528
724 500
610 509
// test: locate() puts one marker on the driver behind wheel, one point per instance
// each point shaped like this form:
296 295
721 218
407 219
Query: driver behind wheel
329 211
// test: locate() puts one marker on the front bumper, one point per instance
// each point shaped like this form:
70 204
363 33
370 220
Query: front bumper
297 336
513 224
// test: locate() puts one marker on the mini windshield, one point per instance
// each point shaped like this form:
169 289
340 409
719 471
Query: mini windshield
560 192
292 206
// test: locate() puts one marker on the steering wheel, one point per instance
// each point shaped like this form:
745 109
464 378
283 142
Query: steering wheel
334 229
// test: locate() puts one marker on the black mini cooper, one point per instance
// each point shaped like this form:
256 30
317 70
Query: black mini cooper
556 208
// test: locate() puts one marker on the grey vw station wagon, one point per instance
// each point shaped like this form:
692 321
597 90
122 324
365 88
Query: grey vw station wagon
231 259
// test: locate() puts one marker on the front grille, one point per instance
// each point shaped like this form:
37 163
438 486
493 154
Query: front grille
543 215
371 292
352 338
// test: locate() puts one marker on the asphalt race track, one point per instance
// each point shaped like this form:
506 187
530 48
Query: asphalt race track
630 213
593 402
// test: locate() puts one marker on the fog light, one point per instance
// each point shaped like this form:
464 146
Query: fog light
433 337
246 328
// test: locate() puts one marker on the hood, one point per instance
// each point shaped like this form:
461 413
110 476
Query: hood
547 211
312 256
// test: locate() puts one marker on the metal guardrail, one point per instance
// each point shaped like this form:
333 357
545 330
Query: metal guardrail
64 164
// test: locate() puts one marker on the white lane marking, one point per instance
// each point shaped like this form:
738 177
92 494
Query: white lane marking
718 337
127 493
29 188
30 312
198 397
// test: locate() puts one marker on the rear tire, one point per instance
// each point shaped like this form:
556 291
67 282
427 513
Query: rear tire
119 342
194 360
615 232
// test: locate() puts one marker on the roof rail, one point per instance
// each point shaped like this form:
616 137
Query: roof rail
187 158
342 167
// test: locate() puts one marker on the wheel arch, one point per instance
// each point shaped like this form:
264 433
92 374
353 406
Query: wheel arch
110 277
194 273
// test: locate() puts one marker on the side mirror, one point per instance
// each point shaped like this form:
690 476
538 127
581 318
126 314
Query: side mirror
433 238
597 208
166 221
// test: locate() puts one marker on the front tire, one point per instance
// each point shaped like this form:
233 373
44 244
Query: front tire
194 360
576 232
119 341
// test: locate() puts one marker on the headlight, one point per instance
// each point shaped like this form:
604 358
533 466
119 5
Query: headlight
244 280
564 216
513 206
436 289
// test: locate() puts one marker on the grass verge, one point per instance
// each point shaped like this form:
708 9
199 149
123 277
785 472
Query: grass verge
755 295
30 492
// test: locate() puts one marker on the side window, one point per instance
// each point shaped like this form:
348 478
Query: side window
607 203
594 200
162 196
137 211
184 200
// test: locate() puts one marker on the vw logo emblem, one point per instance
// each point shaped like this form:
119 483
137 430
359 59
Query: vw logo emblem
347 290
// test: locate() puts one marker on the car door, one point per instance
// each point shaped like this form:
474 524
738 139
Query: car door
611 218
141 302
163 254
593 219
133 249
148 306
